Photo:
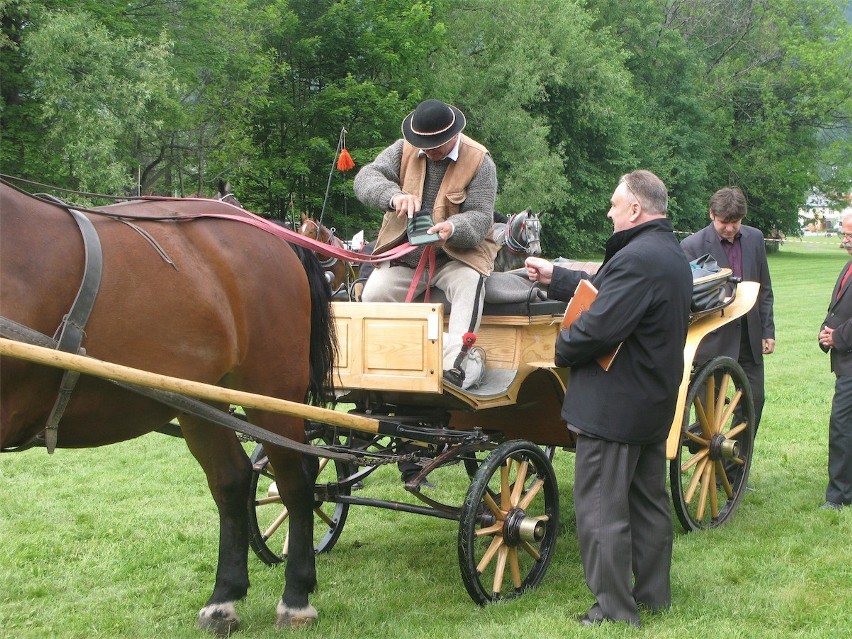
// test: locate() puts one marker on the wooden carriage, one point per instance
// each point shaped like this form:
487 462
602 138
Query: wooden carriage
504 432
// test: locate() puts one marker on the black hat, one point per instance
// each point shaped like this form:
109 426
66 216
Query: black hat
432 124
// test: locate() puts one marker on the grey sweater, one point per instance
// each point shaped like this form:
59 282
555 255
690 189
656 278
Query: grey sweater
377 182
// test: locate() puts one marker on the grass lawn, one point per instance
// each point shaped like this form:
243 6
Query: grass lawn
121 541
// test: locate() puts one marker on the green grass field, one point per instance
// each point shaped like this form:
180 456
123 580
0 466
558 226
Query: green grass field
121 541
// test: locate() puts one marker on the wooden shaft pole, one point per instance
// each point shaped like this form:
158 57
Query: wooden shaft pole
209 392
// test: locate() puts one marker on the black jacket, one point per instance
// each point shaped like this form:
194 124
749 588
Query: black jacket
839 318
644 292
761 321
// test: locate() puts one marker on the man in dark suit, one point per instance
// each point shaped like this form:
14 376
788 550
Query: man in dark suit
622 416
742 249
835 337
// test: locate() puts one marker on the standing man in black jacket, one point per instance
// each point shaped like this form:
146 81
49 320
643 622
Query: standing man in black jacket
622 416
742 249
835 337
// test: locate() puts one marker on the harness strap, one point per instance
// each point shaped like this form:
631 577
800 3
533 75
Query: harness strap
513 226
72 329
427 261
150 239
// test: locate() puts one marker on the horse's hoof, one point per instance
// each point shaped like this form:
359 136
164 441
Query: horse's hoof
294 617
219 619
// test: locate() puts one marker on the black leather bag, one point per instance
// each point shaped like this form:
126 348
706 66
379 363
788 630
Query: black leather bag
708 283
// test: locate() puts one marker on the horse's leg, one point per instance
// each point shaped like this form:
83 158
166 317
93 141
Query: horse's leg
295 482
228 473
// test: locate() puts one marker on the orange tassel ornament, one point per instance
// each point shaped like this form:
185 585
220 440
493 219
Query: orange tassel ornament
345 161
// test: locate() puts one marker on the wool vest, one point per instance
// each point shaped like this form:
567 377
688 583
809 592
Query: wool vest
451 194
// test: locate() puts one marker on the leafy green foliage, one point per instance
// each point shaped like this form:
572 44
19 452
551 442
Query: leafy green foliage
171 97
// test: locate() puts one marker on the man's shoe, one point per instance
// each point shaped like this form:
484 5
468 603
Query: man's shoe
830 505
454 376
585 620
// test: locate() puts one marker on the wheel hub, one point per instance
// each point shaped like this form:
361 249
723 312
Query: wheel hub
723 448
518 527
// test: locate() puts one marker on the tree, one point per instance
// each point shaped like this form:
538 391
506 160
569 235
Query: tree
345 64
100 105
777 77
549 96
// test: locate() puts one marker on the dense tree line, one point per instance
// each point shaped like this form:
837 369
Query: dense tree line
170 96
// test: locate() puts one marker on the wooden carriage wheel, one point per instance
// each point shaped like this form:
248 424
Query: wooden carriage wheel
709 474
268 518
509 522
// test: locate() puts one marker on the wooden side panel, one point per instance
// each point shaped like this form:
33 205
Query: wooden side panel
389 346
500 344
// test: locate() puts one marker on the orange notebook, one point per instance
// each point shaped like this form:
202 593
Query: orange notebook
584 295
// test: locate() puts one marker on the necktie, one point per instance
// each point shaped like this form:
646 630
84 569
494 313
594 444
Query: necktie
843 282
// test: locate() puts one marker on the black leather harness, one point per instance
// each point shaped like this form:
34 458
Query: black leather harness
72 329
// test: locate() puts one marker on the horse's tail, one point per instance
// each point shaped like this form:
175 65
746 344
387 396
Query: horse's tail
323 334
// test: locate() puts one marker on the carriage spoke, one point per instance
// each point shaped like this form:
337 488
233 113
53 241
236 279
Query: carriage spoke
531 494
490 530
696 438
696 477
515 567
714 494
321 514
706 430
532 551
496 543
709 401
735 401
705 485
697 457
505 491
500 569
493 507
275 524
723 395
520 479
263 501
723 476
736 430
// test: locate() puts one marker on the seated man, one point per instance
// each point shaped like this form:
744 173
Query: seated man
436 167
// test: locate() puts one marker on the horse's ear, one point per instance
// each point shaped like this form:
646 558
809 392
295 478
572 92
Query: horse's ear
304 217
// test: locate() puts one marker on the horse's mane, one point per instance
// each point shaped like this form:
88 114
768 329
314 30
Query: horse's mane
323 351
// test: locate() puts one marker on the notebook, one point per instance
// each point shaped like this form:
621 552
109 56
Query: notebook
584 295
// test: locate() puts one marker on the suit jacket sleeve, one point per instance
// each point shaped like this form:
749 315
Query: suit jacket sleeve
766 298
839 316
564 282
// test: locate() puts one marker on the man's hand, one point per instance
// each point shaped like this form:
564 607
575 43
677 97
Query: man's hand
826 337
405 204
443 229
768 345
539 270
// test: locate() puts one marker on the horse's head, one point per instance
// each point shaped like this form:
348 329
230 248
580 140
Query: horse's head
313 229
225 194
523 233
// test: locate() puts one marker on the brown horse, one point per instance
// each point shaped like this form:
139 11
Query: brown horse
209 300
339 272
